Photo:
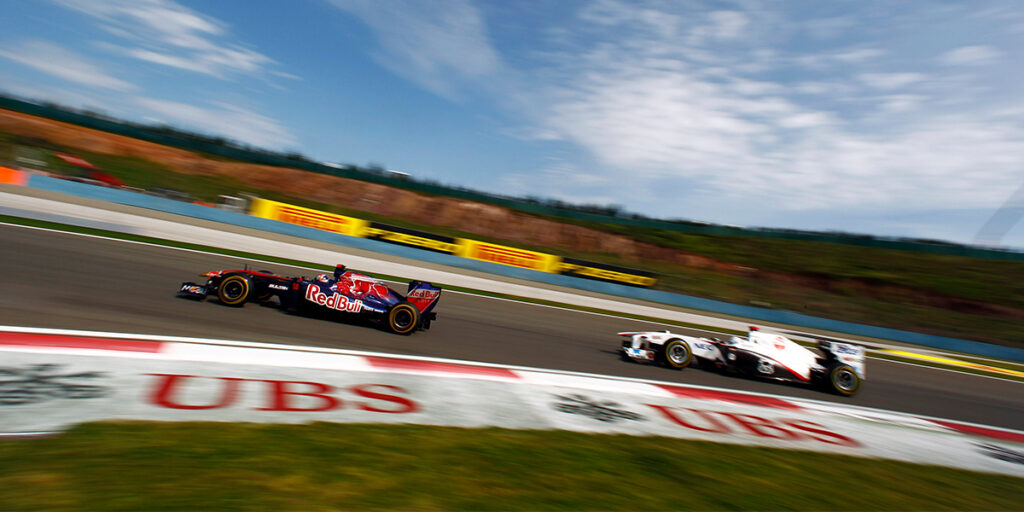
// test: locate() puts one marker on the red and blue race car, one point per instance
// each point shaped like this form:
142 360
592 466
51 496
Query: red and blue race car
345 292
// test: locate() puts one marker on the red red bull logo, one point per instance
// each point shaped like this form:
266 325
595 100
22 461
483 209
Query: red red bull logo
424 294
422 298
336 301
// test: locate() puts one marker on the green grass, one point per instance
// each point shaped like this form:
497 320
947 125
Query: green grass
216 466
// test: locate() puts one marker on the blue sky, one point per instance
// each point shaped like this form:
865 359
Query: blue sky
878 117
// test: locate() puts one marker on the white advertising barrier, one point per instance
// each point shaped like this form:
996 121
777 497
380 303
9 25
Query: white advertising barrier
51 380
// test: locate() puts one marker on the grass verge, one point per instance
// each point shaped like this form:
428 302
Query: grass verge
321 466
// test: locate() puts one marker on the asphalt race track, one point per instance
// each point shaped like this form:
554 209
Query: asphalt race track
58 280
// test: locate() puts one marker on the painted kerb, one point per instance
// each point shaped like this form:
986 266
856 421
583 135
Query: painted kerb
61 380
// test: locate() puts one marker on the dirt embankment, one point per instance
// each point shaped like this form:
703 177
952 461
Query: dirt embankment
471 217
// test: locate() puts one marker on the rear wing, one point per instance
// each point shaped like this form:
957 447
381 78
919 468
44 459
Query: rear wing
423 296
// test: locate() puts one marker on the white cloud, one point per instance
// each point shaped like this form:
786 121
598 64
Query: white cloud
660 121
829 28
754 88
843 57
807 120
436 45
898 103
718 26
858 55
952 162
970 56
227 120
813 87
728 24
60 62
766 106
167 33
891 80
607 12
718 130
209 63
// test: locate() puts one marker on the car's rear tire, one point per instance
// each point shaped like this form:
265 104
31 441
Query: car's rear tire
676 354
234 290
403 318
843 380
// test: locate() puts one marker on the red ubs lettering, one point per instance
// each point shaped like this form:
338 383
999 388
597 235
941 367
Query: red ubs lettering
283 395
282 391
716 422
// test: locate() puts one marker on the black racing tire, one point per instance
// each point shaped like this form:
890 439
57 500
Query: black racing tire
676 354
234 290
843 380
403 318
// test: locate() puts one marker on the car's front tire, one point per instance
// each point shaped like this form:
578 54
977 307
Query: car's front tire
843 380
676 354
234 290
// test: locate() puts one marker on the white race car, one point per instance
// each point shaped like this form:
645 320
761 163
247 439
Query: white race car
835 366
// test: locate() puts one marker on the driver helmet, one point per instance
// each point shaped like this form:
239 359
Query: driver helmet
348 285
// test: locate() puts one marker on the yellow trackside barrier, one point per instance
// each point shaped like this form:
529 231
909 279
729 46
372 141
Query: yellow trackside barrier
307 217
507 255
578 270
408 239
462 247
